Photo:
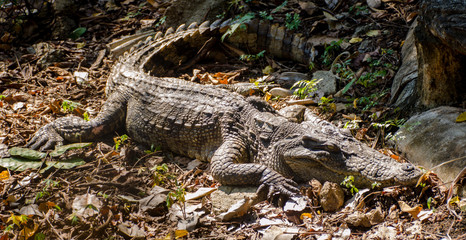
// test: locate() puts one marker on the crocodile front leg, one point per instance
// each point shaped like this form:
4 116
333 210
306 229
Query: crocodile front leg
75 129
227 172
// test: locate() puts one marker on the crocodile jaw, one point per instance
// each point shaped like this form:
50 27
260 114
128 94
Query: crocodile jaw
323 165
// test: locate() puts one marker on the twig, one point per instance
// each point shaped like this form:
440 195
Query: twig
200 54
460 175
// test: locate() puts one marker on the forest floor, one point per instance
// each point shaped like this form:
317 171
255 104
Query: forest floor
100 190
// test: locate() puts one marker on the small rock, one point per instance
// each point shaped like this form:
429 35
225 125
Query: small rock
375 216
358 219
81 78
227 196
327 83
294 113
374 3
433 137
331 196
280 92
131 230
288 79
308 6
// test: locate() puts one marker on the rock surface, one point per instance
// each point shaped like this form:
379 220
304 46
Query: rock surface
433 137
227 196
188 11
327 84
331 196
404 82
294 113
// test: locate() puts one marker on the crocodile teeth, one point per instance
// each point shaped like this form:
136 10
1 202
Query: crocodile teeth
169 31
181 28
192 25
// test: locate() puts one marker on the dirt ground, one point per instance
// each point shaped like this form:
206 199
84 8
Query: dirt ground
98 195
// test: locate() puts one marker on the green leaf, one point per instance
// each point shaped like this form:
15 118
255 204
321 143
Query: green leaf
347 87
66 164
26 153
62 149
78 32
19 164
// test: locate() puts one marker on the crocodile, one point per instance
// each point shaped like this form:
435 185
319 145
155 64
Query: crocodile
246 141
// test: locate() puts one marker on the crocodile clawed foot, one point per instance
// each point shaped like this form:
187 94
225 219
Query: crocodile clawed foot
45 138
276 183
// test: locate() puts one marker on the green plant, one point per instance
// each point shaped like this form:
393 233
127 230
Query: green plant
2 97
120 140
48 184
348 182
304 88
292 22
161 174
250 58
86 116
326 104
69 106
153 149
104 195
179 196
353 124
265 15
161 21
239 22
375 185
330 51
359 10
343 70
371 101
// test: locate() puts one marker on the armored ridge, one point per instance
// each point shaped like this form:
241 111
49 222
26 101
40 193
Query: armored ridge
245 140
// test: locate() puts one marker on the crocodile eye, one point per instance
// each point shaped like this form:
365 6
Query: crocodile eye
407 167
332 147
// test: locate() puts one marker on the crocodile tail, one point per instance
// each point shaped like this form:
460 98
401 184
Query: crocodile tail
257 35
174 48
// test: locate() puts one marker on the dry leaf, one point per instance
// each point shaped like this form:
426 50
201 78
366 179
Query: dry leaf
461 117
355 40
307 215
5 175
414 211
373 33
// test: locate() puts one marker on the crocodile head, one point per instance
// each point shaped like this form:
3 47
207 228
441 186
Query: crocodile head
332 157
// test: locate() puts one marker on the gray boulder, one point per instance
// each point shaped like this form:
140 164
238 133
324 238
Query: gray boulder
434 137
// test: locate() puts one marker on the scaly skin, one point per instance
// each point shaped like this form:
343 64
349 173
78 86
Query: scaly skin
245 140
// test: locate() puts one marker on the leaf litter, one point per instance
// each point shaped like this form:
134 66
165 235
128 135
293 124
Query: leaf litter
122 193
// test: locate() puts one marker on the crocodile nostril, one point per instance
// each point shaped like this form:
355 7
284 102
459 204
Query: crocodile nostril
407 167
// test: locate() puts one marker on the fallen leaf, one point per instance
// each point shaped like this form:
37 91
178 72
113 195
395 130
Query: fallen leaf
62 149
180 233
461 117
355 40
305 215
26 153
267 70
201 192
4 175
373 33
414 211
